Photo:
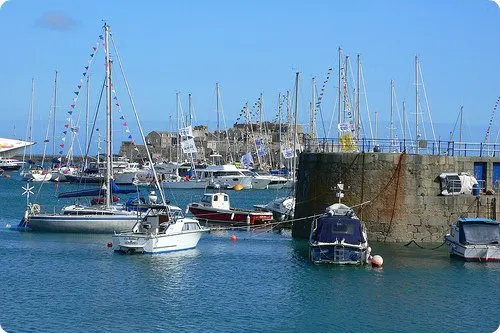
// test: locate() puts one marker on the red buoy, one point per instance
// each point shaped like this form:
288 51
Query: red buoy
110 244
233 237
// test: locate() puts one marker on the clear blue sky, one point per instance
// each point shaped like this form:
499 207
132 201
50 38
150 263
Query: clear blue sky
253 47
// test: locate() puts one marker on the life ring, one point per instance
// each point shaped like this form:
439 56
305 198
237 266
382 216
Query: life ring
35 209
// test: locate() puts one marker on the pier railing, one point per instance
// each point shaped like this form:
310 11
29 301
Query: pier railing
450 148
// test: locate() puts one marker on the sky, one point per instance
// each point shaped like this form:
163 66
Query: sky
252 48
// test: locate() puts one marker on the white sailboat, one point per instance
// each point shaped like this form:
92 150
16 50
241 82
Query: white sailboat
104 217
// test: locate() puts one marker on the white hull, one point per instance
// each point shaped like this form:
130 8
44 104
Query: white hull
156 243
185 184
89 224
125 178
490 252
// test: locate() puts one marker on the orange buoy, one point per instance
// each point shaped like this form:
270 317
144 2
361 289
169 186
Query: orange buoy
233 237
238 187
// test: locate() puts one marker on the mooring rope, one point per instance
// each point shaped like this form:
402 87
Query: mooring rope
423 247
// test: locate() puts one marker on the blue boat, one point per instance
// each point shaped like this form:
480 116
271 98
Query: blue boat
338 237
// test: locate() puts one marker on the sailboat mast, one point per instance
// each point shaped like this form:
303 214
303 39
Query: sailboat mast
357 116
54 118
218 110
87 106
31 116
391 128
279 129
461 122
295 123
190 109
177 102
109 144
416 100
339 95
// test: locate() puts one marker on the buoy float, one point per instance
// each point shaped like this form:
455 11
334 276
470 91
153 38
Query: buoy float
110 244
233 237
377 261
238 187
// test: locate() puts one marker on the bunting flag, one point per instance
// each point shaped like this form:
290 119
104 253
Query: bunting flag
186 132
188 146
70 120
288 152
246 160
487 137
124 122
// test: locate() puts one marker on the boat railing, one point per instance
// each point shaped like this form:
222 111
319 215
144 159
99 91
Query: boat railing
427 147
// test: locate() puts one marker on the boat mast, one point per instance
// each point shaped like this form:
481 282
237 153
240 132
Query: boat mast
109 143
217 102
190 109
87 106
416 102
391 128
313 110
357 115
295 124
54 119
339 95
279 129
178 127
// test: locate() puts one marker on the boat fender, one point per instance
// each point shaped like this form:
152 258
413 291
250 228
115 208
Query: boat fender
35 209
377 261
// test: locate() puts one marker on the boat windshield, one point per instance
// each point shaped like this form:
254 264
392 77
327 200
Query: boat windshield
480 233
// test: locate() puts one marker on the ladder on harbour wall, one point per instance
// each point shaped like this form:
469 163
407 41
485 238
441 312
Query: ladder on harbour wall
488 206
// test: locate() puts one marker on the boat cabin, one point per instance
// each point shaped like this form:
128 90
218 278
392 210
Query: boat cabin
330 229
216 200
477 231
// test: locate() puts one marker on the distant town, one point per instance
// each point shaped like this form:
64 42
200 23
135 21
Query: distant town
265 141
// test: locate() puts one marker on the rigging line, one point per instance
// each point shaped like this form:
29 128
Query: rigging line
427 102
94 122
158 184
487 137
225 126
401 119
454 127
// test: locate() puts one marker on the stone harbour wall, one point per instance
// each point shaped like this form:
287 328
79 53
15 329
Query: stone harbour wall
405 201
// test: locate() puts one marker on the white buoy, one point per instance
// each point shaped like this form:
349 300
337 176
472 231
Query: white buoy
377 261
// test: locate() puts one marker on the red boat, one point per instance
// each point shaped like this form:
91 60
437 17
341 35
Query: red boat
214 207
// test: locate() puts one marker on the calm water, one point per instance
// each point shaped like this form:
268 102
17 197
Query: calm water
262 282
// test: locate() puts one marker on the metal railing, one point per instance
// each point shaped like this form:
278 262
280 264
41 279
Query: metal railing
449 148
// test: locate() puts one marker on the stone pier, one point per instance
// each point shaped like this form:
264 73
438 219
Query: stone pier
405 201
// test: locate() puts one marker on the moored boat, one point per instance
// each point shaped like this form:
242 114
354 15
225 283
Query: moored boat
339 237
163 229
215 208
474 239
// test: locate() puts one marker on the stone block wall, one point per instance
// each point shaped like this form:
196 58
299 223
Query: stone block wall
403 193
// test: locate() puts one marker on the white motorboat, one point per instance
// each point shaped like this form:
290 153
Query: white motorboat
282 208
474 239
339 237
163 229
9 164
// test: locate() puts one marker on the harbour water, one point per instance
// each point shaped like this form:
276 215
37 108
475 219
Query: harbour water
262 282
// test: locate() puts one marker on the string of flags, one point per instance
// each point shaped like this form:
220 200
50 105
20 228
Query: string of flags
491 120
123 121
68 126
